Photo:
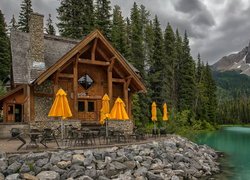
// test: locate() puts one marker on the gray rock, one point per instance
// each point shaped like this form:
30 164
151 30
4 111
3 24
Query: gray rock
55 158
14 158
97 155
3 155
138 158
84 178
179 172
67 156
47 167
108 159
140 178
78 159
3 165
37 169
63 164
42 162
103 178
58 170
88 153
140 172
37 156
87 161
48 175
156 166
153 176
91 173
130 164
175 177
14 167
15 176
28 176
101 165
76 173
118 165
1 176
24 168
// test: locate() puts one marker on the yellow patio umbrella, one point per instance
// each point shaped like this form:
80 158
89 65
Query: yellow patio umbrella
60 107
165 112
118 111
105 109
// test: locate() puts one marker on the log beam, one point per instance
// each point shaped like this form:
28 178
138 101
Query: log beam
64 75
96 62
94 49
102 54
117 80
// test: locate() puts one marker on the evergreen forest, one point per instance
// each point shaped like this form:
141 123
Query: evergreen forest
161 54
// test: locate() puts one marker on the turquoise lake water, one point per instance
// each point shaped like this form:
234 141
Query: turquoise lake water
235 143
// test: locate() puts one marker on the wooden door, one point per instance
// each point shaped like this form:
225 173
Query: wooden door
88 110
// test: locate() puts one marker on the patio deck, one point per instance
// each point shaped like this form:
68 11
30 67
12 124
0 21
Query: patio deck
10 147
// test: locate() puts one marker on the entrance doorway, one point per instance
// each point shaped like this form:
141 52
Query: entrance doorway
15 113
87 110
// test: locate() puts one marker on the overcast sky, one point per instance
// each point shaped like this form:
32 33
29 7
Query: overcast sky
215 27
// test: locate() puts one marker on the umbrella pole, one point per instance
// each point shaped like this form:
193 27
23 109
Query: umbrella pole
62 129
154 128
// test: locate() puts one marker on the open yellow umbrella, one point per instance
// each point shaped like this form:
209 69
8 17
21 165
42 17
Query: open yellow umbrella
165 112
60 107
118 111
105 109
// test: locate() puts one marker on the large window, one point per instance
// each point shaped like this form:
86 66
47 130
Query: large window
86 81
81 106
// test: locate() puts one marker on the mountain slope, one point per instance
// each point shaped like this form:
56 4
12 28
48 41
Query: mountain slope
237 62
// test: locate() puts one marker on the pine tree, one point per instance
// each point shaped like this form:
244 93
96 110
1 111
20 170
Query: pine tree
157 78
76 18
5 58
118 31
170 63
13 23
49 26
211 94
103 15
24 15
186 77
179 52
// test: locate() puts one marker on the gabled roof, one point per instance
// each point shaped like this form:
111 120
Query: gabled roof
78 47
12 92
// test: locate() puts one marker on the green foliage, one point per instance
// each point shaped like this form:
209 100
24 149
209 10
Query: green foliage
5 58
49 26
24 15
118 31
76 18
2 89
102 17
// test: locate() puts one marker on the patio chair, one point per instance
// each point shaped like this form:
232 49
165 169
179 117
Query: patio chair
47 136
16 133
163 131
138 134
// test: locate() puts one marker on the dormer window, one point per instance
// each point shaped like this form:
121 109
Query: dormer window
86 81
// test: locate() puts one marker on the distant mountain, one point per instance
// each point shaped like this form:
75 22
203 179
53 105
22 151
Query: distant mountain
235 62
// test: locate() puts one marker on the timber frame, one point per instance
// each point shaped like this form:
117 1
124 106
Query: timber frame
93 59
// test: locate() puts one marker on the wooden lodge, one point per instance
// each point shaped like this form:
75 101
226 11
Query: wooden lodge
86 70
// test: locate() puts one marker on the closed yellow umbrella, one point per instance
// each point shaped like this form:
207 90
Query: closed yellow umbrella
118 111
153 112
165 112
60 107
105 109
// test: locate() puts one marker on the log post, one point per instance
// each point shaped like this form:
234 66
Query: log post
75 87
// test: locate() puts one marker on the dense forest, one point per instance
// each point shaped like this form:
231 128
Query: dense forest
162 56
233 97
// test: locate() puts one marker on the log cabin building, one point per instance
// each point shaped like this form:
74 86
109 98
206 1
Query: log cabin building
86 70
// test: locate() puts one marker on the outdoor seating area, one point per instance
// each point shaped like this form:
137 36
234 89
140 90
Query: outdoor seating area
36 139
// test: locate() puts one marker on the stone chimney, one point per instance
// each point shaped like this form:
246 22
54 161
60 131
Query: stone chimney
36 41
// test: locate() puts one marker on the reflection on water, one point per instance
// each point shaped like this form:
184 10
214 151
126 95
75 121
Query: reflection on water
235 142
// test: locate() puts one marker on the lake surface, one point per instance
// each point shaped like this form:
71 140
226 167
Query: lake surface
235 143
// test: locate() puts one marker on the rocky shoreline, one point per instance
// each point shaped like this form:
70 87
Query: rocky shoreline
173 158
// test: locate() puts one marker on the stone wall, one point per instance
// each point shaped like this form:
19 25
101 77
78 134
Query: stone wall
173 158
46 87
122 125
42 108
